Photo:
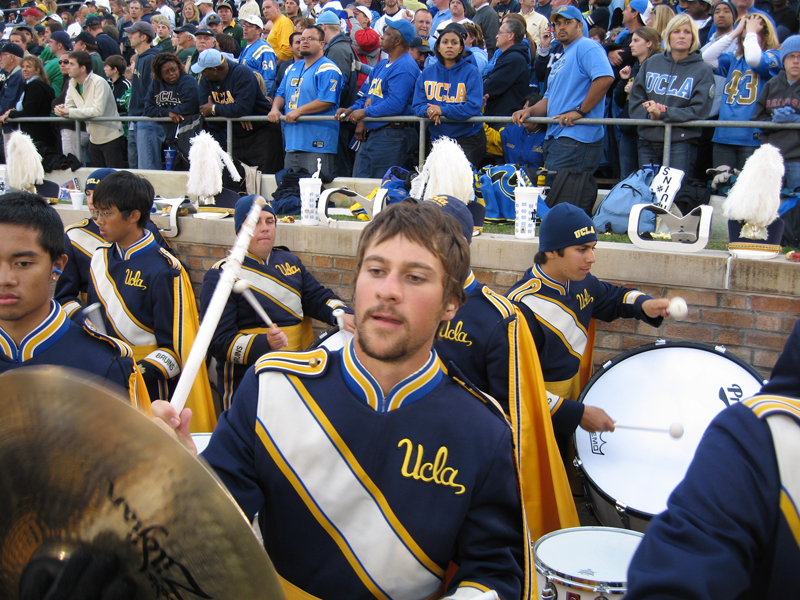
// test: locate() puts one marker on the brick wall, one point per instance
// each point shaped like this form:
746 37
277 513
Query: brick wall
754 327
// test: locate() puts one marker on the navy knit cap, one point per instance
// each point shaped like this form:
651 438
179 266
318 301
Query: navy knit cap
565 225
96 177
456 209
792 44
243 205
729 5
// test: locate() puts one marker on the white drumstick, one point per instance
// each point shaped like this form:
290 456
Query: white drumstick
242 287
98 323
338 314
675 430
230 272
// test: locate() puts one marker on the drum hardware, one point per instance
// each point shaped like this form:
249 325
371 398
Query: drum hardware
82 468
338 314
331 341
97 320
628 475
243 288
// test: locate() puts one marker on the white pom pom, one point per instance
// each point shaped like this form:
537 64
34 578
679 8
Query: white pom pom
678 308
240 286
676 430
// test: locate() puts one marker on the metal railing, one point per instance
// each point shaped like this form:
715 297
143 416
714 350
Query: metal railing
423 124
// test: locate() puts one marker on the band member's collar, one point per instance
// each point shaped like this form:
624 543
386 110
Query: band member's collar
138 248
47 333
471 283
536 271
412 388
254 258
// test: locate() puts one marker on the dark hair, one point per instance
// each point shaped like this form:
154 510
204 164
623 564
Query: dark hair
476 32
532 99
33 211
291 37
464 50
116 62
83 58
599 32
648 34
53 26
319 30
424 224
226 43
162 59
127 192
540 258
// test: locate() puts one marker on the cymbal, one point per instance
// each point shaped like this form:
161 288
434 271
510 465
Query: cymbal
80 468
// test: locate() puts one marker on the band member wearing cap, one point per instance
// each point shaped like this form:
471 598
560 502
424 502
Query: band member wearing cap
81 239
559 298
731 526
370 468
146 295
283 287
34 329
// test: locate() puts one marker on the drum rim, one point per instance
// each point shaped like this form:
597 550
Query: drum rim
660 343
323 336
569 580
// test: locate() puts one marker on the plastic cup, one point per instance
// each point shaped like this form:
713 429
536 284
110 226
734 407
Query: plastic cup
169 156
310 189
526 203
77 200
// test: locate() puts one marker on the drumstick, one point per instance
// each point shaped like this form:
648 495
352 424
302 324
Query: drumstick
242 287
197 355
675 430
338 314
98 323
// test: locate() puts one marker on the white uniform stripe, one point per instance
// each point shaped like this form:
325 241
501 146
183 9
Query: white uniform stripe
338 492
84 240
129 329
560 319
287 297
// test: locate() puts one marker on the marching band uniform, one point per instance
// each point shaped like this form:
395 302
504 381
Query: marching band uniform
59 341
286 291
732 528
383 492
559 319
81 239
149 304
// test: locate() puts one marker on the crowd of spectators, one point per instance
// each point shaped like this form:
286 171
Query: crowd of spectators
445 61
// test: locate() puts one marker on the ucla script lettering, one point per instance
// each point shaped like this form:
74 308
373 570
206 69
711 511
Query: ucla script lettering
134 279
436 471
584 299
286 269
454 333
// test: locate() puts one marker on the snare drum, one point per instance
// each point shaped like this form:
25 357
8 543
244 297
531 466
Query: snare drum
587 563
629 474
331 339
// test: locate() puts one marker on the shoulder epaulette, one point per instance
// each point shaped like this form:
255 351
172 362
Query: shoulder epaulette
284 248
77 225
531 286
219 264
456 375
174 262
766 406
309 363
121 347
501 303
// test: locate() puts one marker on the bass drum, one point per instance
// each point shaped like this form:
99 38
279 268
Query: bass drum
629 474
331 339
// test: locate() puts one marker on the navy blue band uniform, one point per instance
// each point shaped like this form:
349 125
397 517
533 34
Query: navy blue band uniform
59 341
383 491
81 239
476 340
287 292
140 290
559 317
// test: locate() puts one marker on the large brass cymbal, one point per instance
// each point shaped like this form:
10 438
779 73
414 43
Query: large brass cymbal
80 468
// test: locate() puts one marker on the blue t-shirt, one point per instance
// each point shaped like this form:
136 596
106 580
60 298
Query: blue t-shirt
582 62
300 85
260 58
389 88
743 86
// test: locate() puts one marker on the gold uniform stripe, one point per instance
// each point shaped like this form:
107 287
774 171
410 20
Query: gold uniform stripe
789 511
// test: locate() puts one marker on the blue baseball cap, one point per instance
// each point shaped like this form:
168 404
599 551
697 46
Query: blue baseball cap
456 209
96 177
62 37
567 12
243 206
208 59
640 6
405 28
327 18
565 225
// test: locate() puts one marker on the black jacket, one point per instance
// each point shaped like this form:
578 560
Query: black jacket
37 103
508 83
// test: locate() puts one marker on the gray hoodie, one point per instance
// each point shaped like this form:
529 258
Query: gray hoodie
685 87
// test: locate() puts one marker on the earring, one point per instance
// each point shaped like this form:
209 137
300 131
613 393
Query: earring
451 306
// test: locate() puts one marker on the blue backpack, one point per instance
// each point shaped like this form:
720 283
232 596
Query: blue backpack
612 215
494 188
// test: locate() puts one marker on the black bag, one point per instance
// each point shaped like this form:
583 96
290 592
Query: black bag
575 187
188 128
693 193
791 231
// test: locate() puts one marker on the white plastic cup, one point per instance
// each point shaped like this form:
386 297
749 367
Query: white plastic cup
526 200
310 189
77 200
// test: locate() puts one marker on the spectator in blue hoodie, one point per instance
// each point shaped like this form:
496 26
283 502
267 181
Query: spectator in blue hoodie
173 93
452 88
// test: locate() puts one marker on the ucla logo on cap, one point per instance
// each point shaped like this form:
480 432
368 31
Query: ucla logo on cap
440 200
92 181
579 233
